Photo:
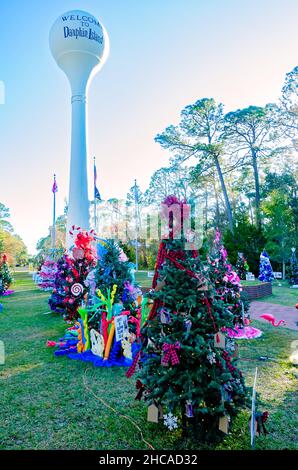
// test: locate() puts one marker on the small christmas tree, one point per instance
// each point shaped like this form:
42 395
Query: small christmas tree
113 268
47 274
226 282
266 273
293 269
5 275
115 273
187 364
242 267
72 271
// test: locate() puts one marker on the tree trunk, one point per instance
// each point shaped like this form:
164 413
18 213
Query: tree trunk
225 193
250 212
283 269
217 211
206 209
257 189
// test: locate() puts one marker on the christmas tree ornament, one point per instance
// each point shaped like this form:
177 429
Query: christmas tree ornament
189 409
223 424
211 357
160 285
170 354
165 316
77 289
154 413
187 325
141 388
219 340
170 421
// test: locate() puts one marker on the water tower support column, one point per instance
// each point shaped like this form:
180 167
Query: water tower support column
78 201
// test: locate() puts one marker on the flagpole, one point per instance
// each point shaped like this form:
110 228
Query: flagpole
54 219
94 185
136 226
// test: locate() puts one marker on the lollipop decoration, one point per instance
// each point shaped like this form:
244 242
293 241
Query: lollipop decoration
77 289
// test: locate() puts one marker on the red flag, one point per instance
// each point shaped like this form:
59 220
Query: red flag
55 187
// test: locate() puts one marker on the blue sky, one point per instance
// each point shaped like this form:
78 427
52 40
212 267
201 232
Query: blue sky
164 55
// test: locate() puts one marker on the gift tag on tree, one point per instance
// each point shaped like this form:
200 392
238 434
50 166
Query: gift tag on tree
160 285
154 413
219 340
223 424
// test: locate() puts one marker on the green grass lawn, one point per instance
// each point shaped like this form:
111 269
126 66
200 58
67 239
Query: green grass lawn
143 279
54 403
282 295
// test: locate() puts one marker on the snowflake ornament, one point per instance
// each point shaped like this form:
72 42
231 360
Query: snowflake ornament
170 421
211 357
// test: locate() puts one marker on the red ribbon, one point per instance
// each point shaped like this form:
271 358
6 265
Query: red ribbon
170 354
137 321
133 367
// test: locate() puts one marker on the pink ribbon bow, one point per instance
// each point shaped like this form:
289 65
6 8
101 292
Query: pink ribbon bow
170 354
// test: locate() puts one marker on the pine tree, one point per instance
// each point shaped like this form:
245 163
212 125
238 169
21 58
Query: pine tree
293 269
5 275
187 363
242 267
266 273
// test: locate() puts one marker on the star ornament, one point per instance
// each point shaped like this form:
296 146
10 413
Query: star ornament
170 421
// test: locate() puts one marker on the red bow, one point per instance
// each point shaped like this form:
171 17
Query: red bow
170 354
140 387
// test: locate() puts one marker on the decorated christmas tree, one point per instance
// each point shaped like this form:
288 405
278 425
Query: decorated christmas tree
242 267
72 270
5 275
187 364
226 282
47 274
293 269
114 268
266 273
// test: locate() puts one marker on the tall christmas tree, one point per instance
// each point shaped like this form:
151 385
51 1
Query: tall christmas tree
242 267
266 273
47 274
187 363
293 269
5 275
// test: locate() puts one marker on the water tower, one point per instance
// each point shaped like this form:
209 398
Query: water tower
79 44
